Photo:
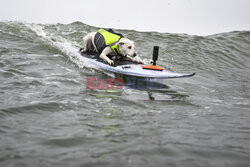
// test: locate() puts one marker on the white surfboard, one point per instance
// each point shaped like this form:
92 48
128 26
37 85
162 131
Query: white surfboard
131 69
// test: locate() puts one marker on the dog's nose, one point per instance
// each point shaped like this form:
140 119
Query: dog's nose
134 54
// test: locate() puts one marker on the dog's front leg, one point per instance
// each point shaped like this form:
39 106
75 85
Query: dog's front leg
133 60
104 54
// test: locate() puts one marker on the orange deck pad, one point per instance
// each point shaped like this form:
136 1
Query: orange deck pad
153 67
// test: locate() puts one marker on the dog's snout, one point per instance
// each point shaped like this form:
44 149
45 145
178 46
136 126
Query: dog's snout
134 54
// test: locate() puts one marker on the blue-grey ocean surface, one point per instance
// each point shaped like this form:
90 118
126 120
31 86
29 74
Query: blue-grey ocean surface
49 118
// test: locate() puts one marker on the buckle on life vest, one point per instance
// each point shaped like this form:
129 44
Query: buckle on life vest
153 67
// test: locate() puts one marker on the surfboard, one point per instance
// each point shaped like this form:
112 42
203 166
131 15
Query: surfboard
129 68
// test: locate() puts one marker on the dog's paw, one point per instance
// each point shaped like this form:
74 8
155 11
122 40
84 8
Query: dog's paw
111 62
140 61
82 50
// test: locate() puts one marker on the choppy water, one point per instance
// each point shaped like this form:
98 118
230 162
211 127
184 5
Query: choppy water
49 118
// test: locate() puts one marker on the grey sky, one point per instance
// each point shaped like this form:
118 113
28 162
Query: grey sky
199 17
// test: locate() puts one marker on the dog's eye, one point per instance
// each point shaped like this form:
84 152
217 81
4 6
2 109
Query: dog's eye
129 47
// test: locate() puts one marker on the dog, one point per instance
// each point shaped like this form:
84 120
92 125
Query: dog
108 42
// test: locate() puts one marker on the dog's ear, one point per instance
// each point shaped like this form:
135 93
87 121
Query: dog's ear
121 43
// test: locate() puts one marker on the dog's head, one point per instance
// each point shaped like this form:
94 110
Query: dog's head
127 47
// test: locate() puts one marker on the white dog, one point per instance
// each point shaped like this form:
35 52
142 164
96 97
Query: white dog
107 42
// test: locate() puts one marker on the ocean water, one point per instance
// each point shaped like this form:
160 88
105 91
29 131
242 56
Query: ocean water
49 118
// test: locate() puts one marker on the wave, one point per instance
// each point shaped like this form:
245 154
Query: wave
224 51
46 111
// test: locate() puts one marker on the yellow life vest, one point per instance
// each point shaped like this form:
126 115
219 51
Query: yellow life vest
104 38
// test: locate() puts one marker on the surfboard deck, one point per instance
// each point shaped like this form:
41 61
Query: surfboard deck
131 68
